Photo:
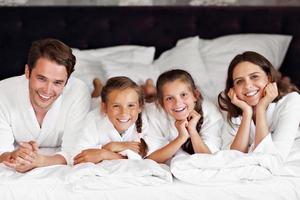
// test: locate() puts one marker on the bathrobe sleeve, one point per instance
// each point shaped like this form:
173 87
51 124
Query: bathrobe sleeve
211 128
284 127
76 105
156 137
6 133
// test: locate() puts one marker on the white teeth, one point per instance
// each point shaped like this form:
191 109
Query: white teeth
252 93
123 120
45 97
179 109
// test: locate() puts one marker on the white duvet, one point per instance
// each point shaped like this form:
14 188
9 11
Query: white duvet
225 166
112 174
50 183
234 166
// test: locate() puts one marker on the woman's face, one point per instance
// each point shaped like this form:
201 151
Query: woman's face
178 99
249 81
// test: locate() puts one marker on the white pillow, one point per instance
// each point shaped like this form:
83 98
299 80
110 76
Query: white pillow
88 64
185 55
217 53
87 70
272 46
124 53
138 72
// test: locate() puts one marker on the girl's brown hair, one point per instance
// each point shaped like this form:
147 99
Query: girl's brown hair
185 77
284 87
122 83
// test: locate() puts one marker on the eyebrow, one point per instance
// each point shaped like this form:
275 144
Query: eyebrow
119 103
247 75
42 76
59 81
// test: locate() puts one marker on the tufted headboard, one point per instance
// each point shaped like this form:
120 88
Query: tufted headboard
94 27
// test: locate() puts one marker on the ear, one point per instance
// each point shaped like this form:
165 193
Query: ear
270 79
140 108
103 107
197 93
27 71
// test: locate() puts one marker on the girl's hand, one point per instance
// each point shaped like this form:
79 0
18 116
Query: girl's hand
237 102
181 126
134 146
270 93
193 119
89 155
121 146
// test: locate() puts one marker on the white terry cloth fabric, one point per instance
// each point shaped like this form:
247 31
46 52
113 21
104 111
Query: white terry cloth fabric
112 174
163 128
18 122
98 131
45 175
228 166
283 118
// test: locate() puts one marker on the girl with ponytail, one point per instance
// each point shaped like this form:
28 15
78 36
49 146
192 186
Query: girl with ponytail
191 124
115 131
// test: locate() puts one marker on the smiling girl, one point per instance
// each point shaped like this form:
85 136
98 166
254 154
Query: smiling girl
188 123
260 107
115 131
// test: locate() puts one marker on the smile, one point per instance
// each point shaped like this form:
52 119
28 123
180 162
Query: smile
123 120
251 93
44 97
179 109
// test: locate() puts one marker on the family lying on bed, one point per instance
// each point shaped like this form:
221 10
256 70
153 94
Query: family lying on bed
47 108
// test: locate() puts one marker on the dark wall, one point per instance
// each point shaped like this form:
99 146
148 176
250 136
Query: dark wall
94 27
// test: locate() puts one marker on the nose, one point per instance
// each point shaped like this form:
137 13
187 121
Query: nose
248 84
124 110
178 101
48 88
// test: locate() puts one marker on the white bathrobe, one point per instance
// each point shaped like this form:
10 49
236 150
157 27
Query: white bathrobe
162 128
98 131
18 122
283 118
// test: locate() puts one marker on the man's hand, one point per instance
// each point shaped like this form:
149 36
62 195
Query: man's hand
24 158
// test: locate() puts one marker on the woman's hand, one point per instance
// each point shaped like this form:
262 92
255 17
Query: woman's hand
270 93
239 103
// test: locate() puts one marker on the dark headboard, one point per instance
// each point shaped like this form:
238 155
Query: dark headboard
94 27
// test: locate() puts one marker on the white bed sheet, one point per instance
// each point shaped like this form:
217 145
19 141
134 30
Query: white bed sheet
276 188
49 183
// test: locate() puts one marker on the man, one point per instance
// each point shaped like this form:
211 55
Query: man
43 108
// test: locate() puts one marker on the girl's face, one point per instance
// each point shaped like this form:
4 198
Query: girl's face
178 99
122 108
249 81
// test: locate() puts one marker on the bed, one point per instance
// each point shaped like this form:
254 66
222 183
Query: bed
164 28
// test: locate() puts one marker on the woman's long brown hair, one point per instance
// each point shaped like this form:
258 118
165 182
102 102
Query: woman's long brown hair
284 87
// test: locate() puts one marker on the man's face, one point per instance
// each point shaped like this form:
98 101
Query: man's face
46 83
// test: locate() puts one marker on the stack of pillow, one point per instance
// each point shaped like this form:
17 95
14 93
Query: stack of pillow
206 59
